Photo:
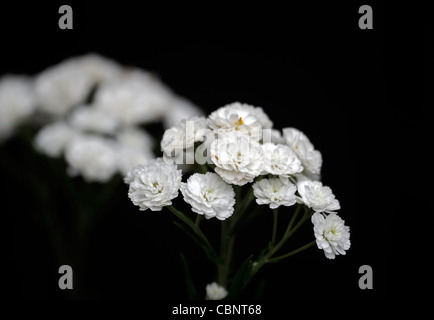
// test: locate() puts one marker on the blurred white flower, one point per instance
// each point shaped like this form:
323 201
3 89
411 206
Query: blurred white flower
280 160
209 195
238 158
215 292
154 184
89 118
331 234
17 102
136 138
134 98
134 147
53 138
316 196
183 135
274 192
67 84
237 117
179 109
310 158
91 156
98 68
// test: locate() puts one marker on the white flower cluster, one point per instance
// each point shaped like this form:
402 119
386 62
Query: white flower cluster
242 147
92 110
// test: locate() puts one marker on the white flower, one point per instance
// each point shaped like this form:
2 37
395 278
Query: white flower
89 118
274 192
237 117
134 98
183 135
331 234
53 138
91 156
63 86
178 109
209 195
316 196
17 101
154 184
238 158
98 68
259 114
215 292
310 158
280 160
134 147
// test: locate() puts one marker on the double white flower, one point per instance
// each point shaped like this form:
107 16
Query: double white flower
241 118
316 196
310 158
275 192
331 234
154 185
183 135
215 292
280 160
209 195
238 158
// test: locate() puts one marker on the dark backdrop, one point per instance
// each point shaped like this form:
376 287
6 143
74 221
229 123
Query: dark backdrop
309 66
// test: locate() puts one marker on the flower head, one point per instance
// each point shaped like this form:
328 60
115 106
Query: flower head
154 184
316 196
238 117
53 138
280 160
183 135
274 192
215 292
17 101
331 234
209 195
310 158
133 147
89 118
67 84
91 156
134 98
238 158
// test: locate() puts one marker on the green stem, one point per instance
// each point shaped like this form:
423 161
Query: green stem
240 208
226 249
306 246
197 222
290 230
193 225
273 235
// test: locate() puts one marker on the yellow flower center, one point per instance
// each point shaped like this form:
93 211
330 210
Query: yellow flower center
239 123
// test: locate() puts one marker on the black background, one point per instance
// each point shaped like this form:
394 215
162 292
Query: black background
308 66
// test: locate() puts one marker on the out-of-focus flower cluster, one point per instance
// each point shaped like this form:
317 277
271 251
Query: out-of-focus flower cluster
92 111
